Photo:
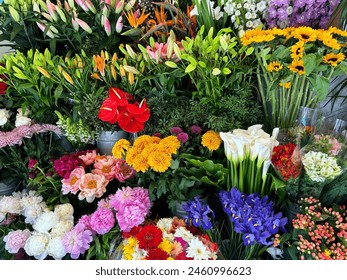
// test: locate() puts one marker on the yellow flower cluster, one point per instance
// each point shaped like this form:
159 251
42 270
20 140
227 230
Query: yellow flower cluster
211 140
147 152
300 40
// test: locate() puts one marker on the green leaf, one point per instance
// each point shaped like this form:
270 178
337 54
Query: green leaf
322 87
57 93
310 63
171 64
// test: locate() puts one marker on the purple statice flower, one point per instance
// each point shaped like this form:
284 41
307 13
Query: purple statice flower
176 130
253 216
183 137
77 241
102 220
195 129
199 214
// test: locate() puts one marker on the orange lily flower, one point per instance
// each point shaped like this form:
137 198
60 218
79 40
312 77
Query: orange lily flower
100 63
136 21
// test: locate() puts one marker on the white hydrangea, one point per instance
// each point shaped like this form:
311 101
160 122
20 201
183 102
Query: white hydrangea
37 245
319 166
46 221
56 248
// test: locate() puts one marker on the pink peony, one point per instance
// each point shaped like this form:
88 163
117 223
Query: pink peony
85 221
92 185
105 166
121 198
72 184
15 240
102 220
77 241
123 170
89 157
131 216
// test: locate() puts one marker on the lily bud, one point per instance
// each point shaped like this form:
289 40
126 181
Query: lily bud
84 25
119 25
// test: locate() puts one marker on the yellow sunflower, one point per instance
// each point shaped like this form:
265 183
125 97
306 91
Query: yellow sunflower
120 147
211 140
256 36
297 50
169 144
333 59
337 31
329 41
159 161
297 66
274 66
304 33
285 85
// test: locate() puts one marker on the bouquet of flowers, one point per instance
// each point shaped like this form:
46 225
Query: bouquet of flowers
167 239
319 232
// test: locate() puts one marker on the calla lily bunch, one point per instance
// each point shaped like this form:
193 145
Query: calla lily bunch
121 108
249 158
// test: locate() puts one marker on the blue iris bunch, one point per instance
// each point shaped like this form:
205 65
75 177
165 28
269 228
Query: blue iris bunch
199 214
252 216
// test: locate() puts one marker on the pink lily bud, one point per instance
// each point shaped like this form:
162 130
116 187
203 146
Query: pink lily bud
107 26
43 27
108 2
74 22
51 10
119 25
84 25
82 4
119 6
67 6
47 16
90 6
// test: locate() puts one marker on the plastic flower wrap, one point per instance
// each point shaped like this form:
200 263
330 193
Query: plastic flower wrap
167 239
319 232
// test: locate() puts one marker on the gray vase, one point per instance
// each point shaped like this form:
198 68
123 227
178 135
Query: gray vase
8 186
107 139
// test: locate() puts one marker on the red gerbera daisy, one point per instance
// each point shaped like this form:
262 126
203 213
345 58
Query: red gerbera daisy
156 254
149 237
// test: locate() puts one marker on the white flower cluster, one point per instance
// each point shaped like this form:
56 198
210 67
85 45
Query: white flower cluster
21 118
48 226
319 166
247 14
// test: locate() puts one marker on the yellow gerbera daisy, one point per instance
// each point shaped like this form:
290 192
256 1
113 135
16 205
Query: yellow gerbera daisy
274 66
297 66
166 246
159 161
120 147
129 248
297 50
333 59
169 144
304 33
211 140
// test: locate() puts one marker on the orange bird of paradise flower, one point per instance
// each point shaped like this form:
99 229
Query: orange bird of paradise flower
135 21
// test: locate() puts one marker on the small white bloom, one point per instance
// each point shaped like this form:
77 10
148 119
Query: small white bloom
56 248
237 13
239 6
37 245
289 10
197 250
165 224
4 116
185 234
261 6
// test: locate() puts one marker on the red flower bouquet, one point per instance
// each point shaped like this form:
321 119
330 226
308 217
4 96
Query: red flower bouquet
121 108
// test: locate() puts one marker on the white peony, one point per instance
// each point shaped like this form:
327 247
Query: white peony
56 249
46 221
32 212
22 118
4 116
61 228
64 211
11 204
37 245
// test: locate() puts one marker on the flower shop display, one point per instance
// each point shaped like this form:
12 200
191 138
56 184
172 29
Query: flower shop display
295 66
224 152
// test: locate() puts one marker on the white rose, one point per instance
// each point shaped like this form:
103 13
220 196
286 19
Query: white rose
4 115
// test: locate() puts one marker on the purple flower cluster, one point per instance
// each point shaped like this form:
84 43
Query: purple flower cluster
15 136
199 214
252 216
312 13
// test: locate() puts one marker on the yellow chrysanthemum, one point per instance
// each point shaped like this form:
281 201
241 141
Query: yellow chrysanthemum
131 155
297 50
166 246
333 59
285 85
142 141
140 163
211 140
149 149
159 161
120 147
297 66
304 33
156 139
274 66
169 144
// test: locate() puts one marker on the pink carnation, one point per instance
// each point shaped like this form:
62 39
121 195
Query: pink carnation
123 170
72 184
15 240
102 220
